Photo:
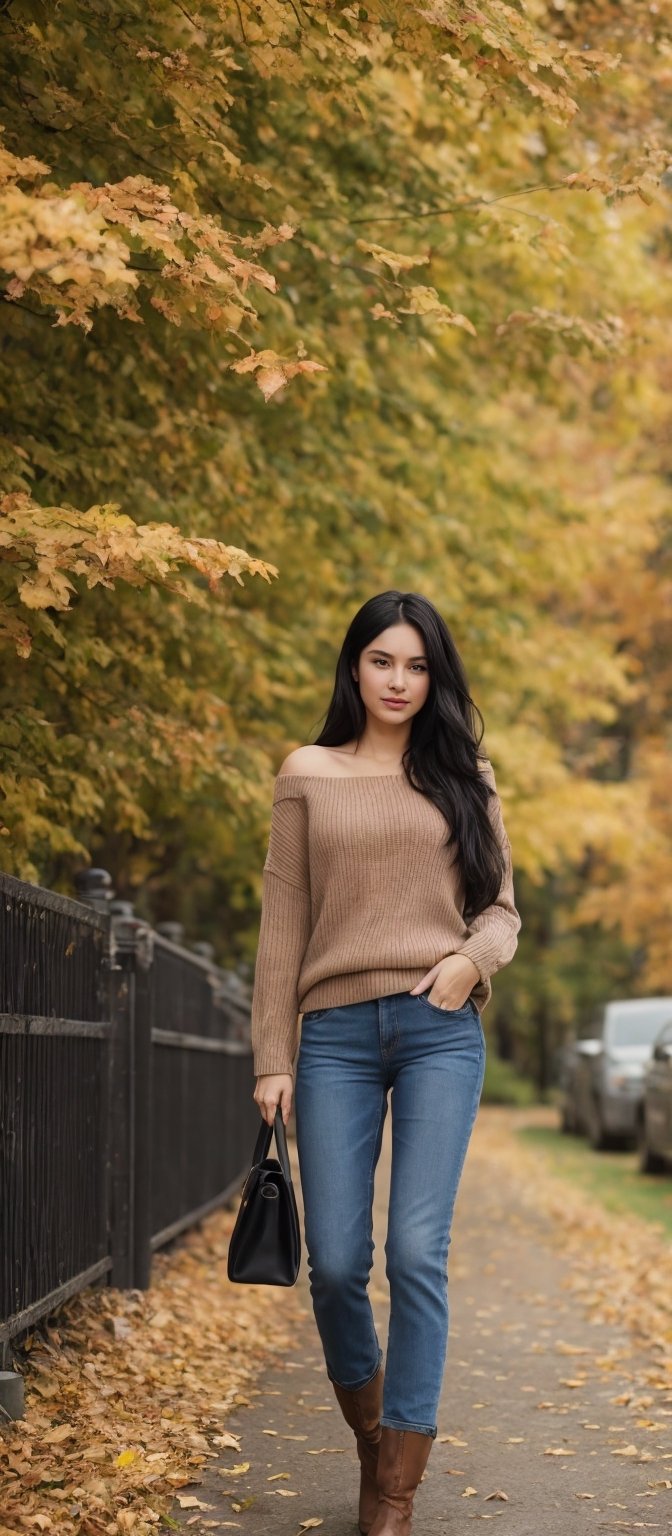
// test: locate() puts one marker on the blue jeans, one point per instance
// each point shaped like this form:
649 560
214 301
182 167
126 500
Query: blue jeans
433 1059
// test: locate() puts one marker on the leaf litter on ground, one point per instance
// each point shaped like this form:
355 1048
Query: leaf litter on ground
621 1265
127 1394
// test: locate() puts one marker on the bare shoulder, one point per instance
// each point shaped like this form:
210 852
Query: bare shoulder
309 759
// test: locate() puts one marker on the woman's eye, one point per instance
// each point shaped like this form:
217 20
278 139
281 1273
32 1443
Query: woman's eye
417 665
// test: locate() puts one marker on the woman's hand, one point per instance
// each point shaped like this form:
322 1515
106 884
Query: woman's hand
456 976
274 1088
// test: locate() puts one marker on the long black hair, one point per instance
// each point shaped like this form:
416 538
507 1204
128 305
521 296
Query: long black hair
441 759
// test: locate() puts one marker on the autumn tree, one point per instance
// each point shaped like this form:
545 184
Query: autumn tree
375 286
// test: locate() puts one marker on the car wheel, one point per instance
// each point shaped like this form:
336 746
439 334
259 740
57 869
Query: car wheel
649 1161
599 1138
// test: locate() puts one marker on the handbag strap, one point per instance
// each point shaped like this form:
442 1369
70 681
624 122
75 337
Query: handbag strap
263 1143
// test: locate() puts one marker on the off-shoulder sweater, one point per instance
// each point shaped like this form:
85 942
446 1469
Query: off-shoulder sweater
360 897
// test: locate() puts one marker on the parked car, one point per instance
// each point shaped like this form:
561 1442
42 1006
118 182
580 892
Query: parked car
609 1074
654 1124
567 1066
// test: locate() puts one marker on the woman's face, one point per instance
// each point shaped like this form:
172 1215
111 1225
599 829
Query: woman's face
394 666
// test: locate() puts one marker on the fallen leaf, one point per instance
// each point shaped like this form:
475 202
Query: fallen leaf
125 1458
161 1319
58 1435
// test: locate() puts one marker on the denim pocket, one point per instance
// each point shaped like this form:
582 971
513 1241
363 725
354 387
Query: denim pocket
315 1013
468 1007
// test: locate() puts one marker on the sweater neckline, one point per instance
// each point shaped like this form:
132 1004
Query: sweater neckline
339 778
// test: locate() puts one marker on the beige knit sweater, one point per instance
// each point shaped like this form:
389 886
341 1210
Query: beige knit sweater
359 899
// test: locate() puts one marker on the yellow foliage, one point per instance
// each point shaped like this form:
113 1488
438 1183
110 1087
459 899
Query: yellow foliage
210 207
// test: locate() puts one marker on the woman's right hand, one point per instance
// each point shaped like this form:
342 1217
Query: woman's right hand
274 1088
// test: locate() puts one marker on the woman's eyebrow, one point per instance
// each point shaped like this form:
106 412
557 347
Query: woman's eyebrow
375 651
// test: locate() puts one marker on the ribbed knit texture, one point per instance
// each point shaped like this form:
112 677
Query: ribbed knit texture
360 898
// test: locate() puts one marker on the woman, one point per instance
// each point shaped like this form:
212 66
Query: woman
387 905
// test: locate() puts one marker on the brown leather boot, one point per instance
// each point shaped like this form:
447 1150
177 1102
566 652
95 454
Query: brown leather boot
361 1410
402 1458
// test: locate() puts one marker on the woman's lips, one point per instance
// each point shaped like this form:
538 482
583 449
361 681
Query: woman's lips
396 703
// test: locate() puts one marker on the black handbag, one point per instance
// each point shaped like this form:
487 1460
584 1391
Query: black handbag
265 1245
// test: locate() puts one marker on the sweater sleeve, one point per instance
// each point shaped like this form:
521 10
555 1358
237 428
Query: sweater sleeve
493 935
283 932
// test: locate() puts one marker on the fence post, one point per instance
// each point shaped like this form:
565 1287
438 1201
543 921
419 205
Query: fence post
94 888
132 1014
174 932
204 949
129 960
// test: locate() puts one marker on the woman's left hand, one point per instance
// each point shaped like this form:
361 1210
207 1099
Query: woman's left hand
455 978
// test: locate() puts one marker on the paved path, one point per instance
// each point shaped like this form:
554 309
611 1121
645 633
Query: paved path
517 1336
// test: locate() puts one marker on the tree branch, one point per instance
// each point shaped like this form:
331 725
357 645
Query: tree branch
431 213
38 313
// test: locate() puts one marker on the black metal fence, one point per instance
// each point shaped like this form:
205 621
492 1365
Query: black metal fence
126 1110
